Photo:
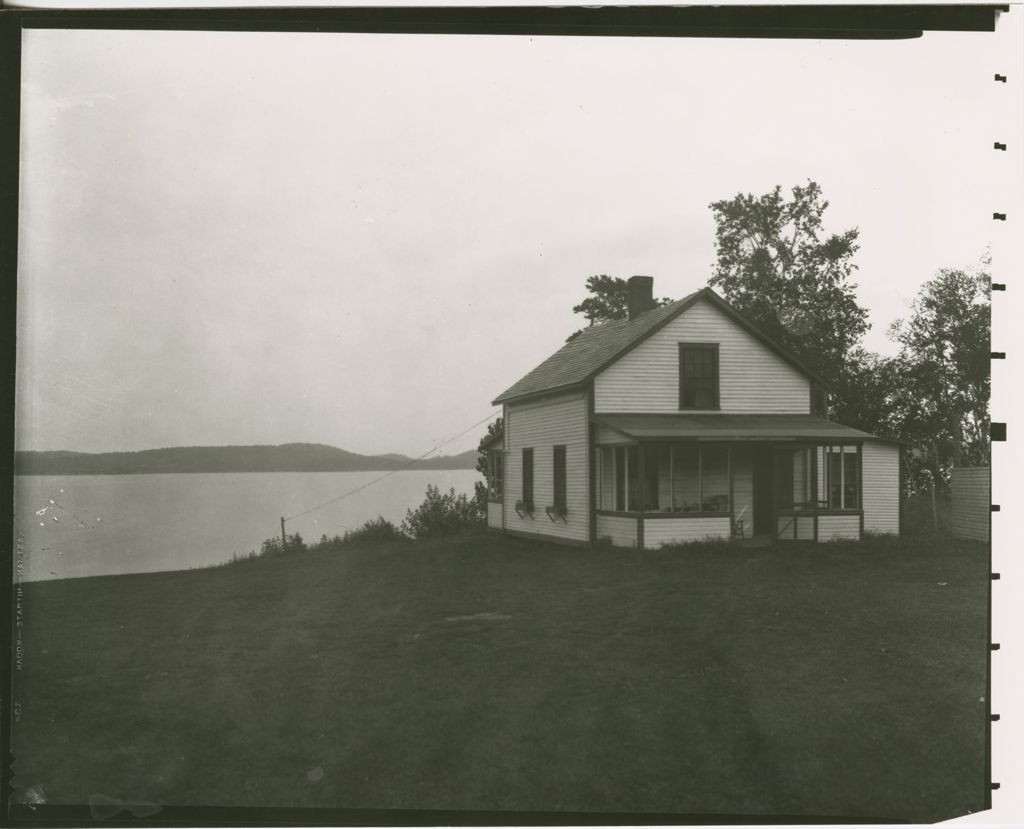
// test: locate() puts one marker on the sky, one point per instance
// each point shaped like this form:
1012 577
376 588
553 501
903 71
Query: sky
361 240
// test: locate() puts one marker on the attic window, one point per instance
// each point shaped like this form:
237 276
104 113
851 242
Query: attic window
698 375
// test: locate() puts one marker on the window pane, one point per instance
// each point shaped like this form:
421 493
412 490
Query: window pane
714 479
698 377
685 496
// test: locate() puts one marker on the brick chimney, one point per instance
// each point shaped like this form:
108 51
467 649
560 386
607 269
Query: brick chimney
641 295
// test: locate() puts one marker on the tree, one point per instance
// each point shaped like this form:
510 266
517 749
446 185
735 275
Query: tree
609 301
944 366
777 266
480 487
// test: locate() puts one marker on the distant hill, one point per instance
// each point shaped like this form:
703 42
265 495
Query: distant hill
288 457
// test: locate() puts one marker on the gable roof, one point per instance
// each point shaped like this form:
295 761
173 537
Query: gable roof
597 347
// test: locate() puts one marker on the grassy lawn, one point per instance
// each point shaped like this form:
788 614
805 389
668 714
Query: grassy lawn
491 673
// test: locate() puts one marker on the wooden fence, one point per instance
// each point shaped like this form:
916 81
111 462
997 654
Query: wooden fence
971 507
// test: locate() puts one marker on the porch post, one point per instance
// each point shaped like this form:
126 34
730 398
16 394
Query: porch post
842 477
672 477
860 485
625 479
728 464
814 487
641 477
700 476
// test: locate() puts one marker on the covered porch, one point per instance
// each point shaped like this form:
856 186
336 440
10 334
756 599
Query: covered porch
663 479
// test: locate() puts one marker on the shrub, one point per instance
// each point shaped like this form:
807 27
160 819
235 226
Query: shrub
480 497
377 530
273 547
441 514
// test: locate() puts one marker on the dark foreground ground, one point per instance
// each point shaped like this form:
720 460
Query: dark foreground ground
485 673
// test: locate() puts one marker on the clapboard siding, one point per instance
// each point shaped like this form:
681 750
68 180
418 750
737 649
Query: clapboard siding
619 530
752 378
881 468
972 499
834 527
494 511
542 425
659 531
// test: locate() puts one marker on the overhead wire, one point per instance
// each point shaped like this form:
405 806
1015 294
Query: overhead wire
391 472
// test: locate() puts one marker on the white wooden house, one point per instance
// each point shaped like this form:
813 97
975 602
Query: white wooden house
681 423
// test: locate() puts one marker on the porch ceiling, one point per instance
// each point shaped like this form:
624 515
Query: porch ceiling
730 427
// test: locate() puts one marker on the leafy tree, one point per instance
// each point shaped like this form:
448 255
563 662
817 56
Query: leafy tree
777 265
942 396
609 301
864 393
480 487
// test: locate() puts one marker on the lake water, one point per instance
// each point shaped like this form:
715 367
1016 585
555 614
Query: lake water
88 525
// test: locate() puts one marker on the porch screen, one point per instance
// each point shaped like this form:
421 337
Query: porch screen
619 478
683 477
685 462
495 473
698 475
794 478
842 477
714 479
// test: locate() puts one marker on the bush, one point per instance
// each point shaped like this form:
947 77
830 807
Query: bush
376 531
273 547
441 514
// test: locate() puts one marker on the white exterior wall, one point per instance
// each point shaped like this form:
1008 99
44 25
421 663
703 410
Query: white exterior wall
805 528
834 527
621 531
752 378
881 469
494 511
659 531
542 425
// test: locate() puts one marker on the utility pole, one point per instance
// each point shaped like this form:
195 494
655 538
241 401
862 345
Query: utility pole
284 538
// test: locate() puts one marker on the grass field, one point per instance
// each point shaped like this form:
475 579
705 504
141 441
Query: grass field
490 673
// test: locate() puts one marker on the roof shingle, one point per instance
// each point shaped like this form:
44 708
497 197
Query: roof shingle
581 357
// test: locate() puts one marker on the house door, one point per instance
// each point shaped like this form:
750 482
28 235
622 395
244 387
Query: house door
764 495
